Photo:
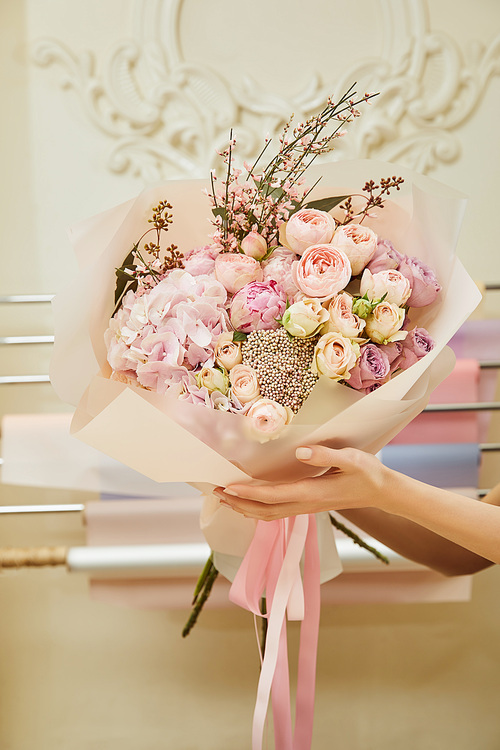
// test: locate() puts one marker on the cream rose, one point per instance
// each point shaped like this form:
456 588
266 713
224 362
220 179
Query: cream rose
304 318
390 283
268 419
227 351
244 383
358 243
334 356
307 227
322 271
213 379
342 319
384 324
234 270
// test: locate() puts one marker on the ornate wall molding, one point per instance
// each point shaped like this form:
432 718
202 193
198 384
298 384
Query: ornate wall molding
164 116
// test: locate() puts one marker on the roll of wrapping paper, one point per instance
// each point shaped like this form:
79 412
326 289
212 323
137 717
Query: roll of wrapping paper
480 339
462 386
145 521
444 465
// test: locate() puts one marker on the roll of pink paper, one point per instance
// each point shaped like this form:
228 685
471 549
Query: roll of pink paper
462 386
480 339
146 521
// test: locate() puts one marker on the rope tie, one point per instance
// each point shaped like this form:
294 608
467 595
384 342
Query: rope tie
34 557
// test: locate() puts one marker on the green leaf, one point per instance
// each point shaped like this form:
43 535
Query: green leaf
239 336
326 204
220 211
122 277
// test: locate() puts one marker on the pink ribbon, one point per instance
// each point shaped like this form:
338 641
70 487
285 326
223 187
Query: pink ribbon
272 565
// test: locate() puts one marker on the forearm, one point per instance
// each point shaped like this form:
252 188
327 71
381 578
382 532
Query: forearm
416 543
463 522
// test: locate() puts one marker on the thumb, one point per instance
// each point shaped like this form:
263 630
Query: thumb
320 455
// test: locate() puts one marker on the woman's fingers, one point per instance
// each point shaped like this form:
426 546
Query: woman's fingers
320 455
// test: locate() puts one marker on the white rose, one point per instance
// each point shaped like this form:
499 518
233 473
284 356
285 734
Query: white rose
304 318
384 324
213 379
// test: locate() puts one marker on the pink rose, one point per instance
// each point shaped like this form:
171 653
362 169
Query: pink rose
201 260
254 245
342 319
334 356
307 227
227 351
386 256
234 270
417 344
244 383
372 369
257 306
268 419
322 271
424 284
390 283
358 243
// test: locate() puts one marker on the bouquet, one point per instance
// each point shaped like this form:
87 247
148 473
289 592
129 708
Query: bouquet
317 311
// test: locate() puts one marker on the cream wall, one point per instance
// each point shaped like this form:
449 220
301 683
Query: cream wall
99 99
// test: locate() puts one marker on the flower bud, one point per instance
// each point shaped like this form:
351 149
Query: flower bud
254 245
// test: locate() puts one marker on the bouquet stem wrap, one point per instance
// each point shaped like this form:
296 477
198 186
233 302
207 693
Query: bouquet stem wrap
272 566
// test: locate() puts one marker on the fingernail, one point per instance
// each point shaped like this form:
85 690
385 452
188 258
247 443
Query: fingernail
303 453
229 491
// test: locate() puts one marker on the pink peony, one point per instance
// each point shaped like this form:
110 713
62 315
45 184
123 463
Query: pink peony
257 306
322 271
358 243
201 260
424 284
234 270
279 268
307 227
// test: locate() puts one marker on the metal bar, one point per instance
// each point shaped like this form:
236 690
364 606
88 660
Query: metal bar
492 365
17 509
21 298
492 287
11 379
484 406
26 340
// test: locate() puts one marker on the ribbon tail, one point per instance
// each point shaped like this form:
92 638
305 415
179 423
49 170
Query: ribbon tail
276 623
309 632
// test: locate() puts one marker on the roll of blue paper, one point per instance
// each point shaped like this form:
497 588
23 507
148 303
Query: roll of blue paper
439 464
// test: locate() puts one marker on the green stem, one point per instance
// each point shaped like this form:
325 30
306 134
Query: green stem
357 540
200 600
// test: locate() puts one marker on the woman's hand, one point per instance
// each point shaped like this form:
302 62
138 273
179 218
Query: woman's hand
353 479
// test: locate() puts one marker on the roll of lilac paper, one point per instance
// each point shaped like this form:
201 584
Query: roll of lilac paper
438 464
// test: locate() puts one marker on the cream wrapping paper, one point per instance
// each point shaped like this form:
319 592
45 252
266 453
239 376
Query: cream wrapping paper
173 441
